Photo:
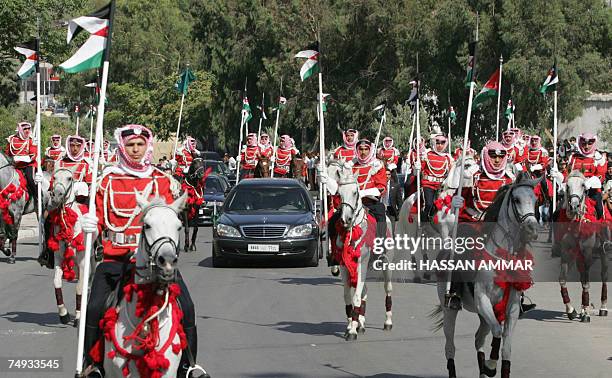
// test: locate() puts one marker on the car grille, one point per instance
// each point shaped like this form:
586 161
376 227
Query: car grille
264 231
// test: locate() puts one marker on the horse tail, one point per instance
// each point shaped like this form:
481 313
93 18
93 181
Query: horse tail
437 315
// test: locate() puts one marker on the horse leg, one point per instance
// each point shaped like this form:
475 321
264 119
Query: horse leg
362 310
484 307
57 284
450 319
603 257
479 341
512 315
356 300
388 285
569 309
194 235
186 227
13 249
586 285
348 299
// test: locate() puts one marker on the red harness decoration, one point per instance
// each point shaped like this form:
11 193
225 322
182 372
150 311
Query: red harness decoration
12 193
349 254
66 218
195 195
519 280
151 363
442 204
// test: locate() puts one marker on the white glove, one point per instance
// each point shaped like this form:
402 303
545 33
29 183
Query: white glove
38 177
89 223
323 178
592 183
457 202
331 185
519 166
238 158
173 163
272 159
417 165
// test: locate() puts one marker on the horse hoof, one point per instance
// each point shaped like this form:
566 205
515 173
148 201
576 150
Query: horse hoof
351 337
193 247
603 312
572 315
65 319
11 260
489 372
75 324
335 272
7 252
585 318
387 327
361 330
426 276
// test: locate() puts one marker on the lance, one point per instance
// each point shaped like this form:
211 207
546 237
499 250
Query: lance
463 155
280 93
178 127
450 140
322 189
76 113
417 164
411 143
92 194
38 141
554 199
242 121
261 116
499 87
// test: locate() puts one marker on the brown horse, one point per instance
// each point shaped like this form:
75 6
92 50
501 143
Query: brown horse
262 170
297 168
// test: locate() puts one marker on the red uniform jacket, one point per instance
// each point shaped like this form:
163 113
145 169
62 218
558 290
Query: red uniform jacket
389 156
435 167
378 177
459 151
479 197
344 153
536 157
118 213
55 154
249 157
18 148
590 166
184 158
266 151
83 171
516 155
282 165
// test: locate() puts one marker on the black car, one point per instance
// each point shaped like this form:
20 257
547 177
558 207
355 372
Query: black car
219 167
210 155
215 189
267 218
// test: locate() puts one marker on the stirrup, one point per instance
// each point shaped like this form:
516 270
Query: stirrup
452 301
197 367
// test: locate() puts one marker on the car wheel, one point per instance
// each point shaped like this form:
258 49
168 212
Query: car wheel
314 260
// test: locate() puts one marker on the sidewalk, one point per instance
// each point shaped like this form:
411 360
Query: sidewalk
28 227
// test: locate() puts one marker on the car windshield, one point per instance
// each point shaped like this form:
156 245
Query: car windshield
213 184
218 167
268 199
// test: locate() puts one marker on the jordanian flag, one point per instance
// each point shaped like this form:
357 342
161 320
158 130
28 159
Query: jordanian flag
91 53
262 110
469 77
325 96
311 66
551 80
452 115
489 90
183 82
246 111
31 58
380 109
282 103
509 110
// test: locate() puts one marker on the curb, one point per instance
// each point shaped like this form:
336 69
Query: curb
28 232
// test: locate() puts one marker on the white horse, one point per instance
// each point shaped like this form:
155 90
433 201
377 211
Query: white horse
513 225
62 208
580 238
17 208
145 325
353 216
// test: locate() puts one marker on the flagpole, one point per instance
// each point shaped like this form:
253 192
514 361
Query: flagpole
242 121
322 162
417 165
76 112
382 120
92 197
411 144
554 204
263 99
38 144
178 127
450 141
499 87
280 93
91 129
463 155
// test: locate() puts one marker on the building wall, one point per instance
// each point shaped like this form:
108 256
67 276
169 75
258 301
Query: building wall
597 108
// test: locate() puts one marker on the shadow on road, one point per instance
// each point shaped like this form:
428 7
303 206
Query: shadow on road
255 264
546 316
314 281
379 375
313 329
47 319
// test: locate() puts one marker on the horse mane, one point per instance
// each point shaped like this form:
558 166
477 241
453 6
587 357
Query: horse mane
575 174
492 212
9 159
157 201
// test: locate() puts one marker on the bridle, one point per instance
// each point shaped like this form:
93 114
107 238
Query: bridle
68 189
354 206
580 198
520 218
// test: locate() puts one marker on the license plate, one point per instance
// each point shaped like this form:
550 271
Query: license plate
201 211
263 248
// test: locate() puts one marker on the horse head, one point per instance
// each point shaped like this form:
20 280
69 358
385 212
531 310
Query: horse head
348 189
264 167
63 190
157 255
520 207
575 193
196 172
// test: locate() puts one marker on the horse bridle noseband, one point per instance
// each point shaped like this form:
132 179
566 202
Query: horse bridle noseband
520 218
153 250
67 189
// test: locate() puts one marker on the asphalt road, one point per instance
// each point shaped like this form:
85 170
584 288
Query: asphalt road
284 321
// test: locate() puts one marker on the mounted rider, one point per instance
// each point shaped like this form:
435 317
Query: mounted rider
22 148
56 151
389 154
410 186
108 156
347 152
284 156
75 159
117 222
536 154
266 149
516 154
249 157
459 150
593 165
436 164
185 155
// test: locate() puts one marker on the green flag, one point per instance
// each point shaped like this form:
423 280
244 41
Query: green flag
246 110
183 82
551 80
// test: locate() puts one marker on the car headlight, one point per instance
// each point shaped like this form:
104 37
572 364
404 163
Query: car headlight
227 231
301 230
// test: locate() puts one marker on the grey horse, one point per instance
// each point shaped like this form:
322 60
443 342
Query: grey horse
512 225
17 208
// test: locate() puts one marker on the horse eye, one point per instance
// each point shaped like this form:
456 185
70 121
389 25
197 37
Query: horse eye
147 226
